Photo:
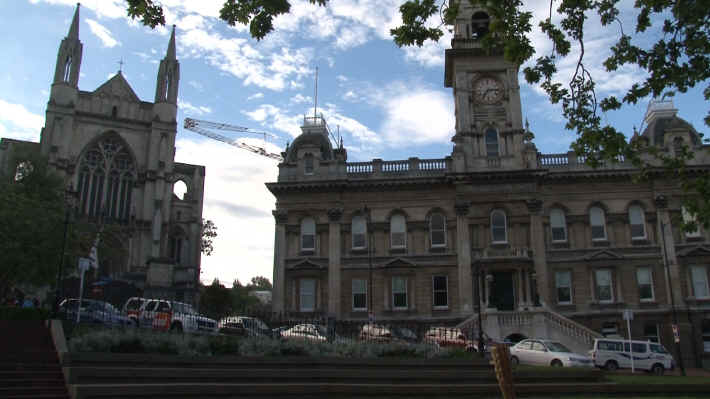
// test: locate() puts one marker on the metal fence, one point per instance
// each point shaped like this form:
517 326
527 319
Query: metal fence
163 315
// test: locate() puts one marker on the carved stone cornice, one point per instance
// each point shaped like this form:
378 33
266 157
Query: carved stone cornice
534 205
335 214
280 216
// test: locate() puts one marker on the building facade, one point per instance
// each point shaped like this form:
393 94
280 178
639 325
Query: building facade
551 246
115 152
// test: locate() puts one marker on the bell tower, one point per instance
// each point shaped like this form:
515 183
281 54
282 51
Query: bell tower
489 126
166 87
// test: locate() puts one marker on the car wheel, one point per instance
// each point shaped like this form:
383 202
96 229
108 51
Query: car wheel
657 369
177 327
611 365
514 361
556 363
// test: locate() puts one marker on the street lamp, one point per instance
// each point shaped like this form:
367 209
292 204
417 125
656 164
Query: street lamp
69 197
670 287
481 344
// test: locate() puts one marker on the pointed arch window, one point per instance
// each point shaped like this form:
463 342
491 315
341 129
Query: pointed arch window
598 223
398 231
637 223
107 174
558 225
499 232
179 246
308 234
67 68
437 230
492 142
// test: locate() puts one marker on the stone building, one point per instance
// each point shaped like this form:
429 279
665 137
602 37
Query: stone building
115 152
555 247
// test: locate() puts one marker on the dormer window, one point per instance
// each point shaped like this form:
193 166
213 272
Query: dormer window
308 164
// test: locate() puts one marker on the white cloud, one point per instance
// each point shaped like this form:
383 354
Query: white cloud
417 116
18 123
256 96
197 85
103 34
102 8
195 110
239 204
301 99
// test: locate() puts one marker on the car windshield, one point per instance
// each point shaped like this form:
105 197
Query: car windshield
656 348
556 347
179 307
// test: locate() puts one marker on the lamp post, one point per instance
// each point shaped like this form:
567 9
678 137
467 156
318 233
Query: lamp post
371 315
69 195
670 285
481 344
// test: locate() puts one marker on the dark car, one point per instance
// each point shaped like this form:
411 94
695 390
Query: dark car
244 326
93 311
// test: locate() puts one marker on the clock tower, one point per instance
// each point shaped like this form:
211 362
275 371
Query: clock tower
489 127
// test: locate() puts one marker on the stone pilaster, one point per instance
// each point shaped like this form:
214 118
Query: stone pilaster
334 217
667 244
463 248
278 299
537 242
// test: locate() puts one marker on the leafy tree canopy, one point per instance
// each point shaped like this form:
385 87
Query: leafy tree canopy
668 43
209 233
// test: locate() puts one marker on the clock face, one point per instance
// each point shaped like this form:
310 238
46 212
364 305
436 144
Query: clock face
487 90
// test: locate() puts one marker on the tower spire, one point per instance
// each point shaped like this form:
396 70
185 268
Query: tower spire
74 28
170 55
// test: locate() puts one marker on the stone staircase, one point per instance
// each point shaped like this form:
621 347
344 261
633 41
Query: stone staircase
29 366
539 322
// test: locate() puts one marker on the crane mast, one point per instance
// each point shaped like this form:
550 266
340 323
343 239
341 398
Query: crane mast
201 127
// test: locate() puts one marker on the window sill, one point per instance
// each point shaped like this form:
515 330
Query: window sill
606 304
600 243
307 252
559 244
640 241
358 251
364 310
438 249
440 308
398 250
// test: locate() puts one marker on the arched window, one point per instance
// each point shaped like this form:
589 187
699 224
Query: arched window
179 246
492 142
106 177
67 69
308 234
498 227
636 220
180 189
479 25
598 223
558 225
359 229
308 164
437 230
398 231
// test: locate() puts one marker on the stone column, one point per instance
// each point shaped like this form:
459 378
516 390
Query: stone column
334 216
278 300
537 243
463 249
667 244
520 297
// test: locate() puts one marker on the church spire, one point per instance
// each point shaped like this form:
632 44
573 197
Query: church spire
166 88
74 28
171 47
69 55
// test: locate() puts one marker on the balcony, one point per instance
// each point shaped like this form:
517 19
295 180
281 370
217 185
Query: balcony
412 167
503 253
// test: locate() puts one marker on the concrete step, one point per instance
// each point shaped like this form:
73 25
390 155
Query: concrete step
103 375
32 382
27 390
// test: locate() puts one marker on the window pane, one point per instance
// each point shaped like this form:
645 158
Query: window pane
700 281
596 220
437 228
643 274
603 278
563 278
498 226
359 293
440 291
491 143
397 231
563 284
400 300
441 299
564 294
438 238
399 284
439 283
598 233
358 240
307 295
559 234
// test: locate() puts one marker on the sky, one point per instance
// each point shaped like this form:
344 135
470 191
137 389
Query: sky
384 101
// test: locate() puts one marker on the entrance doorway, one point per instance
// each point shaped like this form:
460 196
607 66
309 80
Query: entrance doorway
502 294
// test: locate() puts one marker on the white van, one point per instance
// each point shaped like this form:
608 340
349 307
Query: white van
613 354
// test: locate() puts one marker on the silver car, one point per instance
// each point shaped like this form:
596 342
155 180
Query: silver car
540 352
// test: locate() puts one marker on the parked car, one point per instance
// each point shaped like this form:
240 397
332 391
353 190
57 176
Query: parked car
93 311
449 338
305 332
382 334
132 308
613 354
244 326
167 315
542 352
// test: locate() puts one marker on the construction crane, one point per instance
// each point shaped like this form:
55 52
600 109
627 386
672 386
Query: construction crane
201 127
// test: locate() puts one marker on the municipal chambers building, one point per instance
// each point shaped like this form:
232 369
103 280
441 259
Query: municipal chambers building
555 248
